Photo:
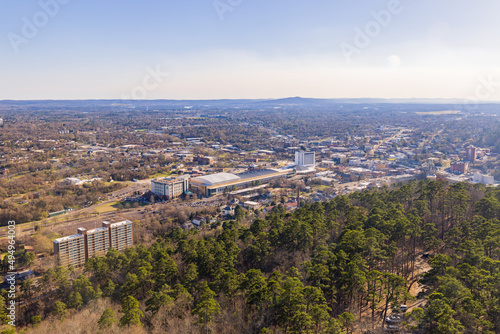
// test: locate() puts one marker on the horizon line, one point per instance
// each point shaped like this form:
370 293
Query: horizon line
255 99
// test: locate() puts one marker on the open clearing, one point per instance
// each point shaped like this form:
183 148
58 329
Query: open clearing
112 206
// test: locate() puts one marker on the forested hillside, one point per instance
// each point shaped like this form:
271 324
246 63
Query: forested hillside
331 267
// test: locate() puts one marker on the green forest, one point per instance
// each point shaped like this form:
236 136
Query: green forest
340 266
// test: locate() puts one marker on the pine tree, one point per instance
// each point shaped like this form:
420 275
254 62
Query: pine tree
107 319
109 288
75 300
207 307
131 312
60 310
159 299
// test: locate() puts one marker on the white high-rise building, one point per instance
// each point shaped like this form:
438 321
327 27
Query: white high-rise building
307 159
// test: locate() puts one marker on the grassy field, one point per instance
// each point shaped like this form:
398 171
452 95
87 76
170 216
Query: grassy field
112 206
319 187
166 174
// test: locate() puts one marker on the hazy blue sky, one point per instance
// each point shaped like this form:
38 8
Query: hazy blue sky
259 49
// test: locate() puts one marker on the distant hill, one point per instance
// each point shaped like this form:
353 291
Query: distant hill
288 100
300 100
345 104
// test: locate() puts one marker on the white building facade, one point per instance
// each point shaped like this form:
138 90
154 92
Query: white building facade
307 159
170 188
480 178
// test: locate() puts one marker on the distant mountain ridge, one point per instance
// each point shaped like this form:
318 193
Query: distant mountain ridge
281 101
301 100
286 100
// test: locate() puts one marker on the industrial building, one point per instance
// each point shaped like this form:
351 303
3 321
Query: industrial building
170 187
215 184
76 249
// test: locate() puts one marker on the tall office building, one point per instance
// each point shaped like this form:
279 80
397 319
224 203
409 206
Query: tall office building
307 159
470 153
78 248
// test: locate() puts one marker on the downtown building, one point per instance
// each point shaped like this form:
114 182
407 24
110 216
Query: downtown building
307 159
470 153
76 249
459 167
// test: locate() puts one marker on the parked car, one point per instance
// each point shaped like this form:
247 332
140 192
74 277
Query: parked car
392 329
403 308
394 319
400 309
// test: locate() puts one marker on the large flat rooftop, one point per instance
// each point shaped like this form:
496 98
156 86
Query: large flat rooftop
125 222
210 180
69 237
222 178
99 229
170 180
259 173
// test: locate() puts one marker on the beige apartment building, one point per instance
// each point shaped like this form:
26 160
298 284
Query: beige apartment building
76 249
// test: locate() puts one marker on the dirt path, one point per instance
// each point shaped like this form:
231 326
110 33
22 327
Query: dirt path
421 266
363 324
